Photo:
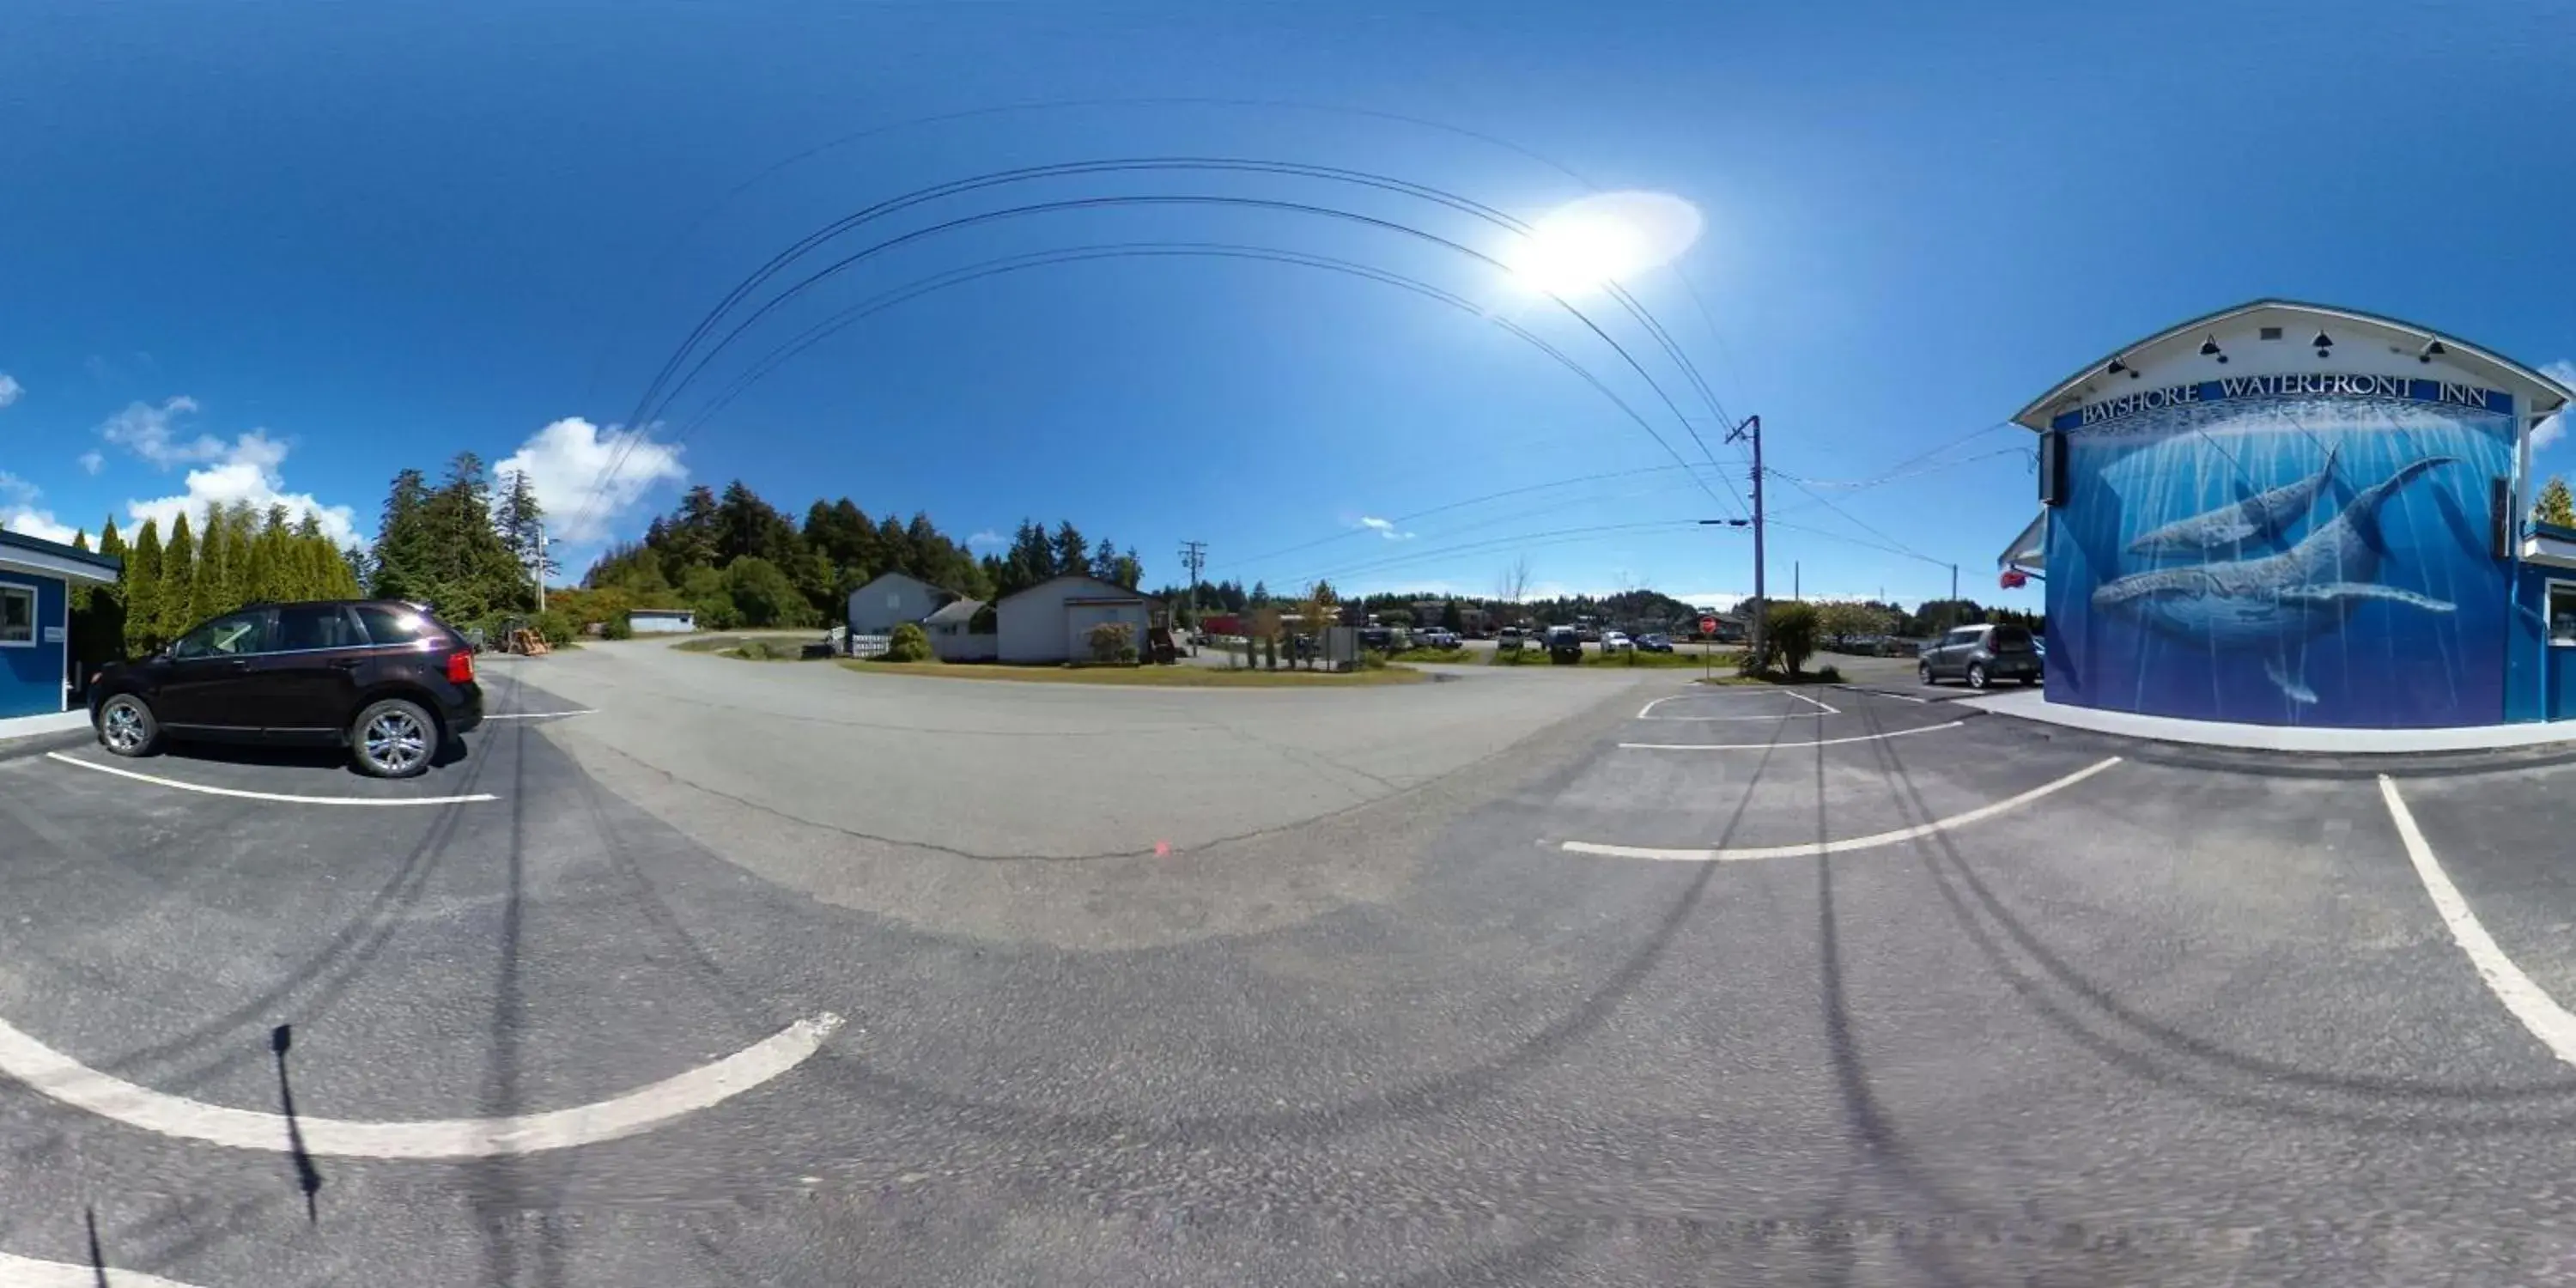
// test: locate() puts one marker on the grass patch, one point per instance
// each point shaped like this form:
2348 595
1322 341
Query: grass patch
1177 677
1431 655
751 648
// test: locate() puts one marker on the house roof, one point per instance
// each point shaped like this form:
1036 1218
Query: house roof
961 610
1114 593
905 576
2544 393
54 559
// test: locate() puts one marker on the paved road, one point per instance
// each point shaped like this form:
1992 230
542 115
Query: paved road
1951 1000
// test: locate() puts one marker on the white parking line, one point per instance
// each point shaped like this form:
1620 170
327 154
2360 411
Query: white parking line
27 1272
2547 1020
1781 746
541 715
269 796
1809 849
73 1083
1820 708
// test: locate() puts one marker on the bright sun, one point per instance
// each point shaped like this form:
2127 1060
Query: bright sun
1596 240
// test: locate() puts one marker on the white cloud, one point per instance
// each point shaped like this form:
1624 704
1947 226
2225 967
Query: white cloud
151 433
92 462
2555 428
568 464
248 472
18 512
9 389
986 540
1384 528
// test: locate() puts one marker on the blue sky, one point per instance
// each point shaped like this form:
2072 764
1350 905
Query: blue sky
283 250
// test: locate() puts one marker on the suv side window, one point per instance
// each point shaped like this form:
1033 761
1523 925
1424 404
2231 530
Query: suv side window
313 627
394 625
236 635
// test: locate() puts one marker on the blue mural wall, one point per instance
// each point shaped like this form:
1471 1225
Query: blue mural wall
2299 550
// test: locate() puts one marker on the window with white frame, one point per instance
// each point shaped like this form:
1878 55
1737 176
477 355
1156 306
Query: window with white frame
17 616
2562 613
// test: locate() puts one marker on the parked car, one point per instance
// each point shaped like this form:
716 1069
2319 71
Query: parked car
1380 638
1564 646
1982 655
1509 639
1616 642
1657 643
385 679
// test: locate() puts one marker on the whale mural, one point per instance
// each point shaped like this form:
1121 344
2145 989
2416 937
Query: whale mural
2257 518
2290 560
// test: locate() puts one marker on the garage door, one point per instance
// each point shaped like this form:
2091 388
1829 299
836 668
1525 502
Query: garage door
1080 618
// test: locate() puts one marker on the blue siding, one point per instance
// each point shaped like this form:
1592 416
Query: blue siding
31 679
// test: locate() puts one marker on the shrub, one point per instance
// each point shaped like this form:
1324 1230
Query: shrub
1792 630
617 628
908 643
752 650
1113 642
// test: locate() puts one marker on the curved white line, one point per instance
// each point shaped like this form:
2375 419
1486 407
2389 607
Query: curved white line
1813 848
2526 999
1820 708
541 715
27 1272
1781 746
269 796
59 1076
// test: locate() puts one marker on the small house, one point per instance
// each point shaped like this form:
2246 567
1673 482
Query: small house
1052 620
36 581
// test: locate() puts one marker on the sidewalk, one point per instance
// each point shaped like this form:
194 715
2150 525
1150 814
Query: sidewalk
27 735
2032 704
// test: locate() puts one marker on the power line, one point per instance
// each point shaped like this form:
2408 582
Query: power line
1347 533
1893 545
1474 547
641 417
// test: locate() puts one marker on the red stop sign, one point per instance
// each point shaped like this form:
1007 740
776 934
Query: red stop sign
1708 626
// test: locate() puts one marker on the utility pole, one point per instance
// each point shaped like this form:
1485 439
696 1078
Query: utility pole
1194 556
1954 583
1752 429
1797 579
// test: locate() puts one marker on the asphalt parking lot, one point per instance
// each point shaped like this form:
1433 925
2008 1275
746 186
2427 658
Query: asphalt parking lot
1558 979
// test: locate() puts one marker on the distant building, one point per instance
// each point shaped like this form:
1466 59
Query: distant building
662 621
893 599
1052 620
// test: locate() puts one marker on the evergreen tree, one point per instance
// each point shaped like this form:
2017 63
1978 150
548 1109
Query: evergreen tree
107 606
689 538
178 581
521 523
401 562
894 548
1072 553
2556 506
212 593
142 582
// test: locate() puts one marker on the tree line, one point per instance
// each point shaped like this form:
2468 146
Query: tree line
230 556
735 560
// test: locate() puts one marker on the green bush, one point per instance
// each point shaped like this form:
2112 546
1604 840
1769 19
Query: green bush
908 643
1792 630
753 650
1113 642
617 628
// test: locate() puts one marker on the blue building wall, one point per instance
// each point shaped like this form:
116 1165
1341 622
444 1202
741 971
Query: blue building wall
31 679
2228 552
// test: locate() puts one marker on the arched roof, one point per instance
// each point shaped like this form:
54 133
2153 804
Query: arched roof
2535 390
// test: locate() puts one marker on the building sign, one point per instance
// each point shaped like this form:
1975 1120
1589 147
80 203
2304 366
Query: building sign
53 635
870 645
2313 384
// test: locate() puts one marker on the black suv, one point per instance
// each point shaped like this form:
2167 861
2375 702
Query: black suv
381 677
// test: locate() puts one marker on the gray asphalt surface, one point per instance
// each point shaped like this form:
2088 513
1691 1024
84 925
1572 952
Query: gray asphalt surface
2190 1020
